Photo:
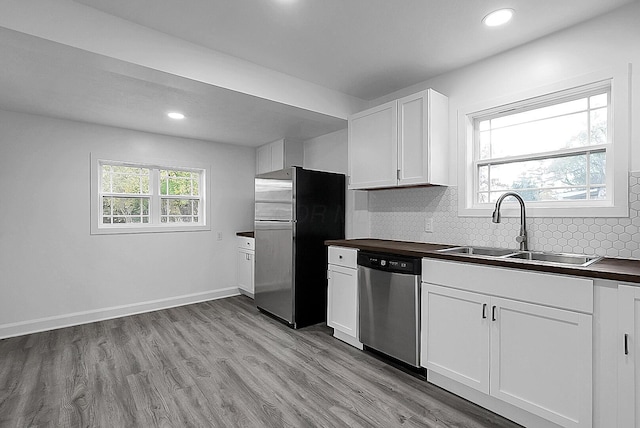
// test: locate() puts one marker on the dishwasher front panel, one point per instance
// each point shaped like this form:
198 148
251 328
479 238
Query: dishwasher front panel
390 313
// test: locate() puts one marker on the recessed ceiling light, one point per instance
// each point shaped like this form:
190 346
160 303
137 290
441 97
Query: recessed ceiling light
175 115
498 17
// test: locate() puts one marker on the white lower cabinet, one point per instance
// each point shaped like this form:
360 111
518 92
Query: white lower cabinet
342 294
455 335
629 361
541 361
245 265
535 357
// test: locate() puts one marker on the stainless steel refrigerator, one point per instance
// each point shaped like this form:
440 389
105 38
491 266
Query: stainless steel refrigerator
296 211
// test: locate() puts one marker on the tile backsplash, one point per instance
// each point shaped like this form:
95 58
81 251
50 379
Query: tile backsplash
401 214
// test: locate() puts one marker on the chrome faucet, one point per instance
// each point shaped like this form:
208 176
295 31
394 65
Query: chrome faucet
522 238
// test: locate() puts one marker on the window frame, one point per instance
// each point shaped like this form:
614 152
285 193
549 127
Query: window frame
617 147
155 197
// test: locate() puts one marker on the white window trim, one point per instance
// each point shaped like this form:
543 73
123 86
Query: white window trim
617 153
97 228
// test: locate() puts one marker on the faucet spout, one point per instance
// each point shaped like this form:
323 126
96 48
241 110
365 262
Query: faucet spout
522 237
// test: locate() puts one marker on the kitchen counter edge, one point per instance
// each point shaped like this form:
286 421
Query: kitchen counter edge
613 269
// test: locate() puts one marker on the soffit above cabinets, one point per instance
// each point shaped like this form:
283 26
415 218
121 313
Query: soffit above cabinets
47 78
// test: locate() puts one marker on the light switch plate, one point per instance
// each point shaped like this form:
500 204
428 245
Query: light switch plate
428 224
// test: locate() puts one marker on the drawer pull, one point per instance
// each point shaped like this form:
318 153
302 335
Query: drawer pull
340 257
626 344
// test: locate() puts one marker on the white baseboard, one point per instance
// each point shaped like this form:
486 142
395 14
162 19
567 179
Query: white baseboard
77 318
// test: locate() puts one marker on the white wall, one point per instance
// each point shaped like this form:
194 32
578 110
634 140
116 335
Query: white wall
53 272
612 40
329 153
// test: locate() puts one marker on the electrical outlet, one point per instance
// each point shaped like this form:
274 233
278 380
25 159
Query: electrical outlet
428 224
219 236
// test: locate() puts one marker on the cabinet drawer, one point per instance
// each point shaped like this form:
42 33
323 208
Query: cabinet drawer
341 256
561 291
246 243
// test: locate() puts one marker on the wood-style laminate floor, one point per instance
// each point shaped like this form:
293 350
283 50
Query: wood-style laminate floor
213 364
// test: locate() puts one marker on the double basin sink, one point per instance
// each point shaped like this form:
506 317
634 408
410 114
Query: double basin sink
530 256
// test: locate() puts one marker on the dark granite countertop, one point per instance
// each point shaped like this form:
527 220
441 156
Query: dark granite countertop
615 269
246 234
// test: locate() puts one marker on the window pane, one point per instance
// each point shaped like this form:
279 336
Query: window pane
600 100
598 193
598 168
555 172
599 126
179 210
179 183
568 194
124 210
485 145
540 113
483 178
124 179
541 136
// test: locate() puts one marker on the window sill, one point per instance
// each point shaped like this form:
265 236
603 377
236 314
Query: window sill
96 230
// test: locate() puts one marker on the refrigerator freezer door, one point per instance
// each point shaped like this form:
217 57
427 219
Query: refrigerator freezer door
274 197
274 268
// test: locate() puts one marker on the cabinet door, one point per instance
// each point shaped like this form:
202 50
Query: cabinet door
277 155
413 139
245 270
263 159
342 300
373 142
629 362
541 360
455 335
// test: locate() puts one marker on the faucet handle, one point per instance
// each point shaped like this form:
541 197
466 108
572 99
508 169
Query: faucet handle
520 239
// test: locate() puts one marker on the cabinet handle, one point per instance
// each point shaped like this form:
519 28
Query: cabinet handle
484 311
626 344
493 313
398 176
340 257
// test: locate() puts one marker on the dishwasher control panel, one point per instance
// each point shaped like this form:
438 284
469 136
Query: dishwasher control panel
390 263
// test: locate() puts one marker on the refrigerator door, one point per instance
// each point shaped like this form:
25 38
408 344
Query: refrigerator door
274 196
274 268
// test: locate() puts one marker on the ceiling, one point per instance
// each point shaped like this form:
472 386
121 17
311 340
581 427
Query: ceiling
363 48
51 79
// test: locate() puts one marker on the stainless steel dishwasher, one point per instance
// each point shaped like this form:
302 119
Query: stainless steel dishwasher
389 305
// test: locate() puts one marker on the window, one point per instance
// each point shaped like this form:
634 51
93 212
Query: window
555 149
551 151
179 196
140 197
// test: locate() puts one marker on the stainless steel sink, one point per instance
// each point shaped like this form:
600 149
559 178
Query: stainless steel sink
479 251
556 258
530 256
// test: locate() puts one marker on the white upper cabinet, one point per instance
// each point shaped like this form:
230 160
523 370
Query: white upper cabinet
400 143
373 142
278 155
